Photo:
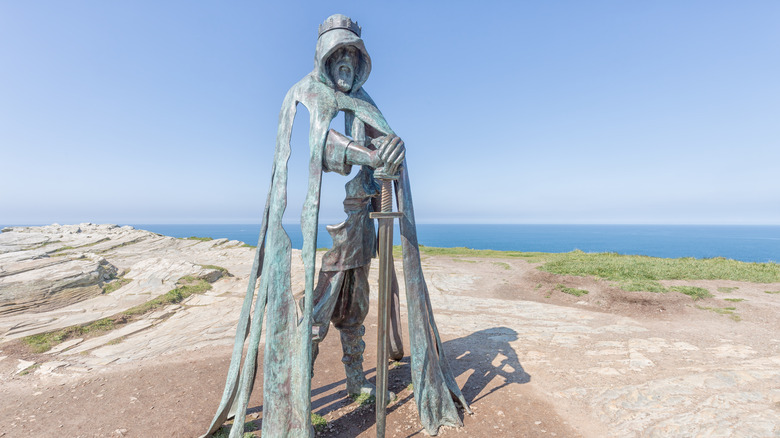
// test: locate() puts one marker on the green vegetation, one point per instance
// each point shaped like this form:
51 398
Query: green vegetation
48 242
224 271
116 341
734 300
29 369
616 267
571 290
116 284
202 239
723 311
464 261
224 432
630 272
363 399
727 290
43 342
694 292
246 245
772 291
187 286
506 266
319 422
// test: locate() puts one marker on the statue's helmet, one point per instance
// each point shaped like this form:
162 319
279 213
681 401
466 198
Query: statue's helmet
335 32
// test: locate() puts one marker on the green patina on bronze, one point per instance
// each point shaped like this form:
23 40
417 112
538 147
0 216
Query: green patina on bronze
334 85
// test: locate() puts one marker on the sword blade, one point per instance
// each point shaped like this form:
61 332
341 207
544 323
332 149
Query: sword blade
385 279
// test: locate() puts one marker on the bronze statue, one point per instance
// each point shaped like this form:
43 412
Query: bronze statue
342 66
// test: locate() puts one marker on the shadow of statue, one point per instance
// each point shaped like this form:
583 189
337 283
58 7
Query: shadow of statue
479 353
486 353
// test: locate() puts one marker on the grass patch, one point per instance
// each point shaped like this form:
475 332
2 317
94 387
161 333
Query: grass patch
188 285
43 342
224 271
115 284
630 272
571 290
464 261
29 369
723 311
612 266
734 300
49 242
116 341
727 290
319 422
363 399
694 292
202 239
224 432
246 245
506 266
774 292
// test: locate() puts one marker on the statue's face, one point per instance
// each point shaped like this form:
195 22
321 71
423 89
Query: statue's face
342 65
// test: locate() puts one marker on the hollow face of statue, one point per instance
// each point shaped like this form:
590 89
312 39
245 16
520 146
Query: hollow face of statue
342 65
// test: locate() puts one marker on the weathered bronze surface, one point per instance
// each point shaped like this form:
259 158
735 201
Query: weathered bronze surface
340 296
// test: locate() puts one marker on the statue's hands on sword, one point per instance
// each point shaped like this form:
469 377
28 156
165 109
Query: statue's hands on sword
388 156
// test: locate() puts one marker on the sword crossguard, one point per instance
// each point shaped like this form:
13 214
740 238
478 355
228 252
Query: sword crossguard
387 198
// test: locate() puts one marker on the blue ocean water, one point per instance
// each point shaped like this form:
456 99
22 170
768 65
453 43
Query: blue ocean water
749 243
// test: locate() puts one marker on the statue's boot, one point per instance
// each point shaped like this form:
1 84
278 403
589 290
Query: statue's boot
353 346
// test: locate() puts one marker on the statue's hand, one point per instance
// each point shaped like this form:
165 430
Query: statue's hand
391 152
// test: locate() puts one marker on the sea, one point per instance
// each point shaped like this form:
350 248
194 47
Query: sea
748 243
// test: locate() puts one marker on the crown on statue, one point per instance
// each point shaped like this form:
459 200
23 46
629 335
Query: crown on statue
339 21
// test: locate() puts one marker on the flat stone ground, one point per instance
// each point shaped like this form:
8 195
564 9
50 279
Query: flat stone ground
532 361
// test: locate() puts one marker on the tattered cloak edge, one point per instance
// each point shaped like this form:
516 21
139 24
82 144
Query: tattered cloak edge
288 350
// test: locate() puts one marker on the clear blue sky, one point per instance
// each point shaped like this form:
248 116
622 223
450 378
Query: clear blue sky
512 112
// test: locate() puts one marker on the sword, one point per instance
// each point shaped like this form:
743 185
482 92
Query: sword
385 218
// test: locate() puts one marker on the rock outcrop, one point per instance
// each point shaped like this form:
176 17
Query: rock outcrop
56 276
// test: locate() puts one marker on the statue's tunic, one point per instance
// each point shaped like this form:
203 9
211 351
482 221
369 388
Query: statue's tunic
354 240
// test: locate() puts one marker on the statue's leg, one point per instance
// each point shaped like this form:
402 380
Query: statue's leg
326 294
348 318
351 311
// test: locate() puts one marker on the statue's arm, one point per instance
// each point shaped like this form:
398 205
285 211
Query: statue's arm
341 153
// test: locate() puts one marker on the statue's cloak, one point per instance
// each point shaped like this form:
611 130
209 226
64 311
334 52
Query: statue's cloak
286 367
